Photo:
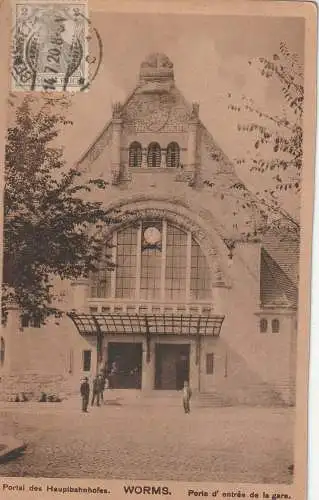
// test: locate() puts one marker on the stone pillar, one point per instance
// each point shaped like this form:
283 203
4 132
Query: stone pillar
191 170
80 289
116 143
195 365
191 146
163 158
144 158
148 367
219 291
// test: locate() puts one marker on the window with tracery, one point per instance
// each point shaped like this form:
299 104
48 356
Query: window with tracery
275 325
172 155
154 155
135 155
155 260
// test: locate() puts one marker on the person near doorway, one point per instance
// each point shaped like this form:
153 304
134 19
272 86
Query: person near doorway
113 375
85 394
96 391
187 394
103 380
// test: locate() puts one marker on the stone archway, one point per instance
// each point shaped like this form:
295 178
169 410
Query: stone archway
207 238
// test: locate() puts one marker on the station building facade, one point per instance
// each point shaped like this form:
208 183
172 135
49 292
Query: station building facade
195 294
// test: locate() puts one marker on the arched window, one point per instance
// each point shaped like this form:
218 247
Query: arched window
154 155
263 325
135 155
155 261
275 326
172 155
2 351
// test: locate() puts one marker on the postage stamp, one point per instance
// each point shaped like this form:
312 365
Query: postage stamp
50 47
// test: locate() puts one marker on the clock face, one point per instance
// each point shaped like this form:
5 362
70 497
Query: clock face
152 235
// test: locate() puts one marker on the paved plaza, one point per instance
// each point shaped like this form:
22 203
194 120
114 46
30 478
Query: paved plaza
159 443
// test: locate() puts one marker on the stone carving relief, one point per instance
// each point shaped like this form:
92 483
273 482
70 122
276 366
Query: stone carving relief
155 113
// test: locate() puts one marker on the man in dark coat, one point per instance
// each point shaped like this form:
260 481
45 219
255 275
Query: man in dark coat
85 394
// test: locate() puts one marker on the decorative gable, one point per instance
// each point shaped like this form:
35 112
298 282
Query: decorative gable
156 112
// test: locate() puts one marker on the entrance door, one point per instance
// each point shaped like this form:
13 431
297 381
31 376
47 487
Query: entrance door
171 366
125 365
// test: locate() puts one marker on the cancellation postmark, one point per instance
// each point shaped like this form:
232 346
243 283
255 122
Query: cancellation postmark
54 47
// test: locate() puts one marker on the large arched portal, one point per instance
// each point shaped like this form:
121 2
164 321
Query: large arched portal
155 261
151 312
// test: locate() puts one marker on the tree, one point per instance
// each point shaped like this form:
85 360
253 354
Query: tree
47 221
277 139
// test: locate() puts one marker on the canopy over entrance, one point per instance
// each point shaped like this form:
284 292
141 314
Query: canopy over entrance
147 325
154 324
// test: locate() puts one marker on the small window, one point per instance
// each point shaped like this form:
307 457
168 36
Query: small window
36 322
172 155
135 155
263 325
275 326
154 155
2 351
24 321
93 310
210 363
87 361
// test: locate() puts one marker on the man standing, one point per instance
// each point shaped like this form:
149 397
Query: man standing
187 394
85 394
96 391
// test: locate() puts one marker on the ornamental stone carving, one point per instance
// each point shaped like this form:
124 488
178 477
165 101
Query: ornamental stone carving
156 113
156 67
117 110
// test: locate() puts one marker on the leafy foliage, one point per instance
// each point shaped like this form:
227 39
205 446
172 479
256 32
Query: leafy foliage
47 221
277 140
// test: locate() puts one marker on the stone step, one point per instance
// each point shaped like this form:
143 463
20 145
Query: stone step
254 394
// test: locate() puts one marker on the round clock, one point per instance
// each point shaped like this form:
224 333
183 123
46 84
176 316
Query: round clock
152 235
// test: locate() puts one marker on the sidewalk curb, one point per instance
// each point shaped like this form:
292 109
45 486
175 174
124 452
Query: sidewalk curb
10 447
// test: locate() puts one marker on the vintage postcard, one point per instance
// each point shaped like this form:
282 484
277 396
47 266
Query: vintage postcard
157 191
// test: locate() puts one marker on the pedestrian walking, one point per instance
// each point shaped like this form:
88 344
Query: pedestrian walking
96 391
85 394
187 394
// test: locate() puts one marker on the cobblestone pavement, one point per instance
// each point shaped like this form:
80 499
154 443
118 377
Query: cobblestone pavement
132 442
